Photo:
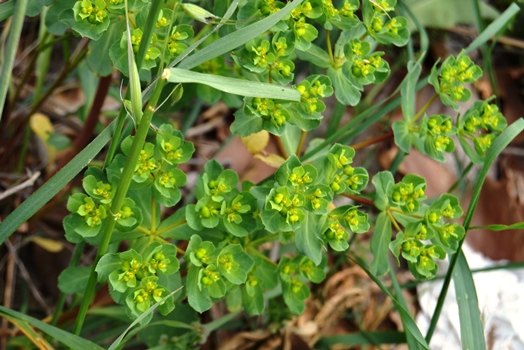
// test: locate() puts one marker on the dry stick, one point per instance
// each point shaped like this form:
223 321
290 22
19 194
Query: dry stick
301 142
281 147
359 199
372 141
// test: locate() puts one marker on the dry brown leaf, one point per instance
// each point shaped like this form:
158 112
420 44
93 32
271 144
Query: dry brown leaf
255 143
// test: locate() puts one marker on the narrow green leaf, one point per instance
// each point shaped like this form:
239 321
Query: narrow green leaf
232 85
494 27
41 196
70 340
6 10
237 38
471 327
152 308
363 338
407 319
499 227
408 91
10 50
380 245
74 279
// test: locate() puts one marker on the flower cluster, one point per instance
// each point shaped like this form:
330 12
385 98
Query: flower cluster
480 125
140 279
455 73
428 232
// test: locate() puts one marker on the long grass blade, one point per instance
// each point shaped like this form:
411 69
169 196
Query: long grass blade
66 338
11 48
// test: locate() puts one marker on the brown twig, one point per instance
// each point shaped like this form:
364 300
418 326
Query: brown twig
359 199
372 141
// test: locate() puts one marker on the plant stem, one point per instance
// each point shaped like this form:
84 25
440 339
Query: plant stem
388 212
423 109
127 175
329 49
359 199
372 141
301 142
256 252
281 147
170 227
262 240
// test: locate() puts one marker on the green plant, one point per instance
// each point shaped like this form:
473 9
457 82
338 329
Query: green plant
215 248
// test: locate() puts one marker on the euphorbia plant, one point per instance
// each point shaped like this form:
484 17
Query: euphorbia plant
150 245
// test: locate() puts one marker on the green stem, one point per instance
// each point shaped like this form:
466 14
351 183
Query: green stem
153 214
170 227
329 49
388 212
12 44
262 240
256 252
301 142
423 109
125 180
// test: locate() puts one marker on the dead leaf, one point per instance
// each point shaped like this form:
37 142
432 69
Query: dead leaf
51 245
255 143
273 160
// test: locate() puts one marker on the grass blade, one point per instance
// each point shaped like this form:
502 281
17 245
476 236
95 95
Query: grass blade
362 338
146 313
232 85
10 50
237 38
410 327
494 27
48 190
66 338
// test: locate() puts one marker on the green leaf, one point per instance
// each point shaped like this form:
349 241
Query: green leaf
315 55
306 239
408 92
106 265
70 340
35 6
245 125
252 299
198 299
402 135
471 325
345 92
380 245
74 279
231 85
383 183
234 263
98 59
